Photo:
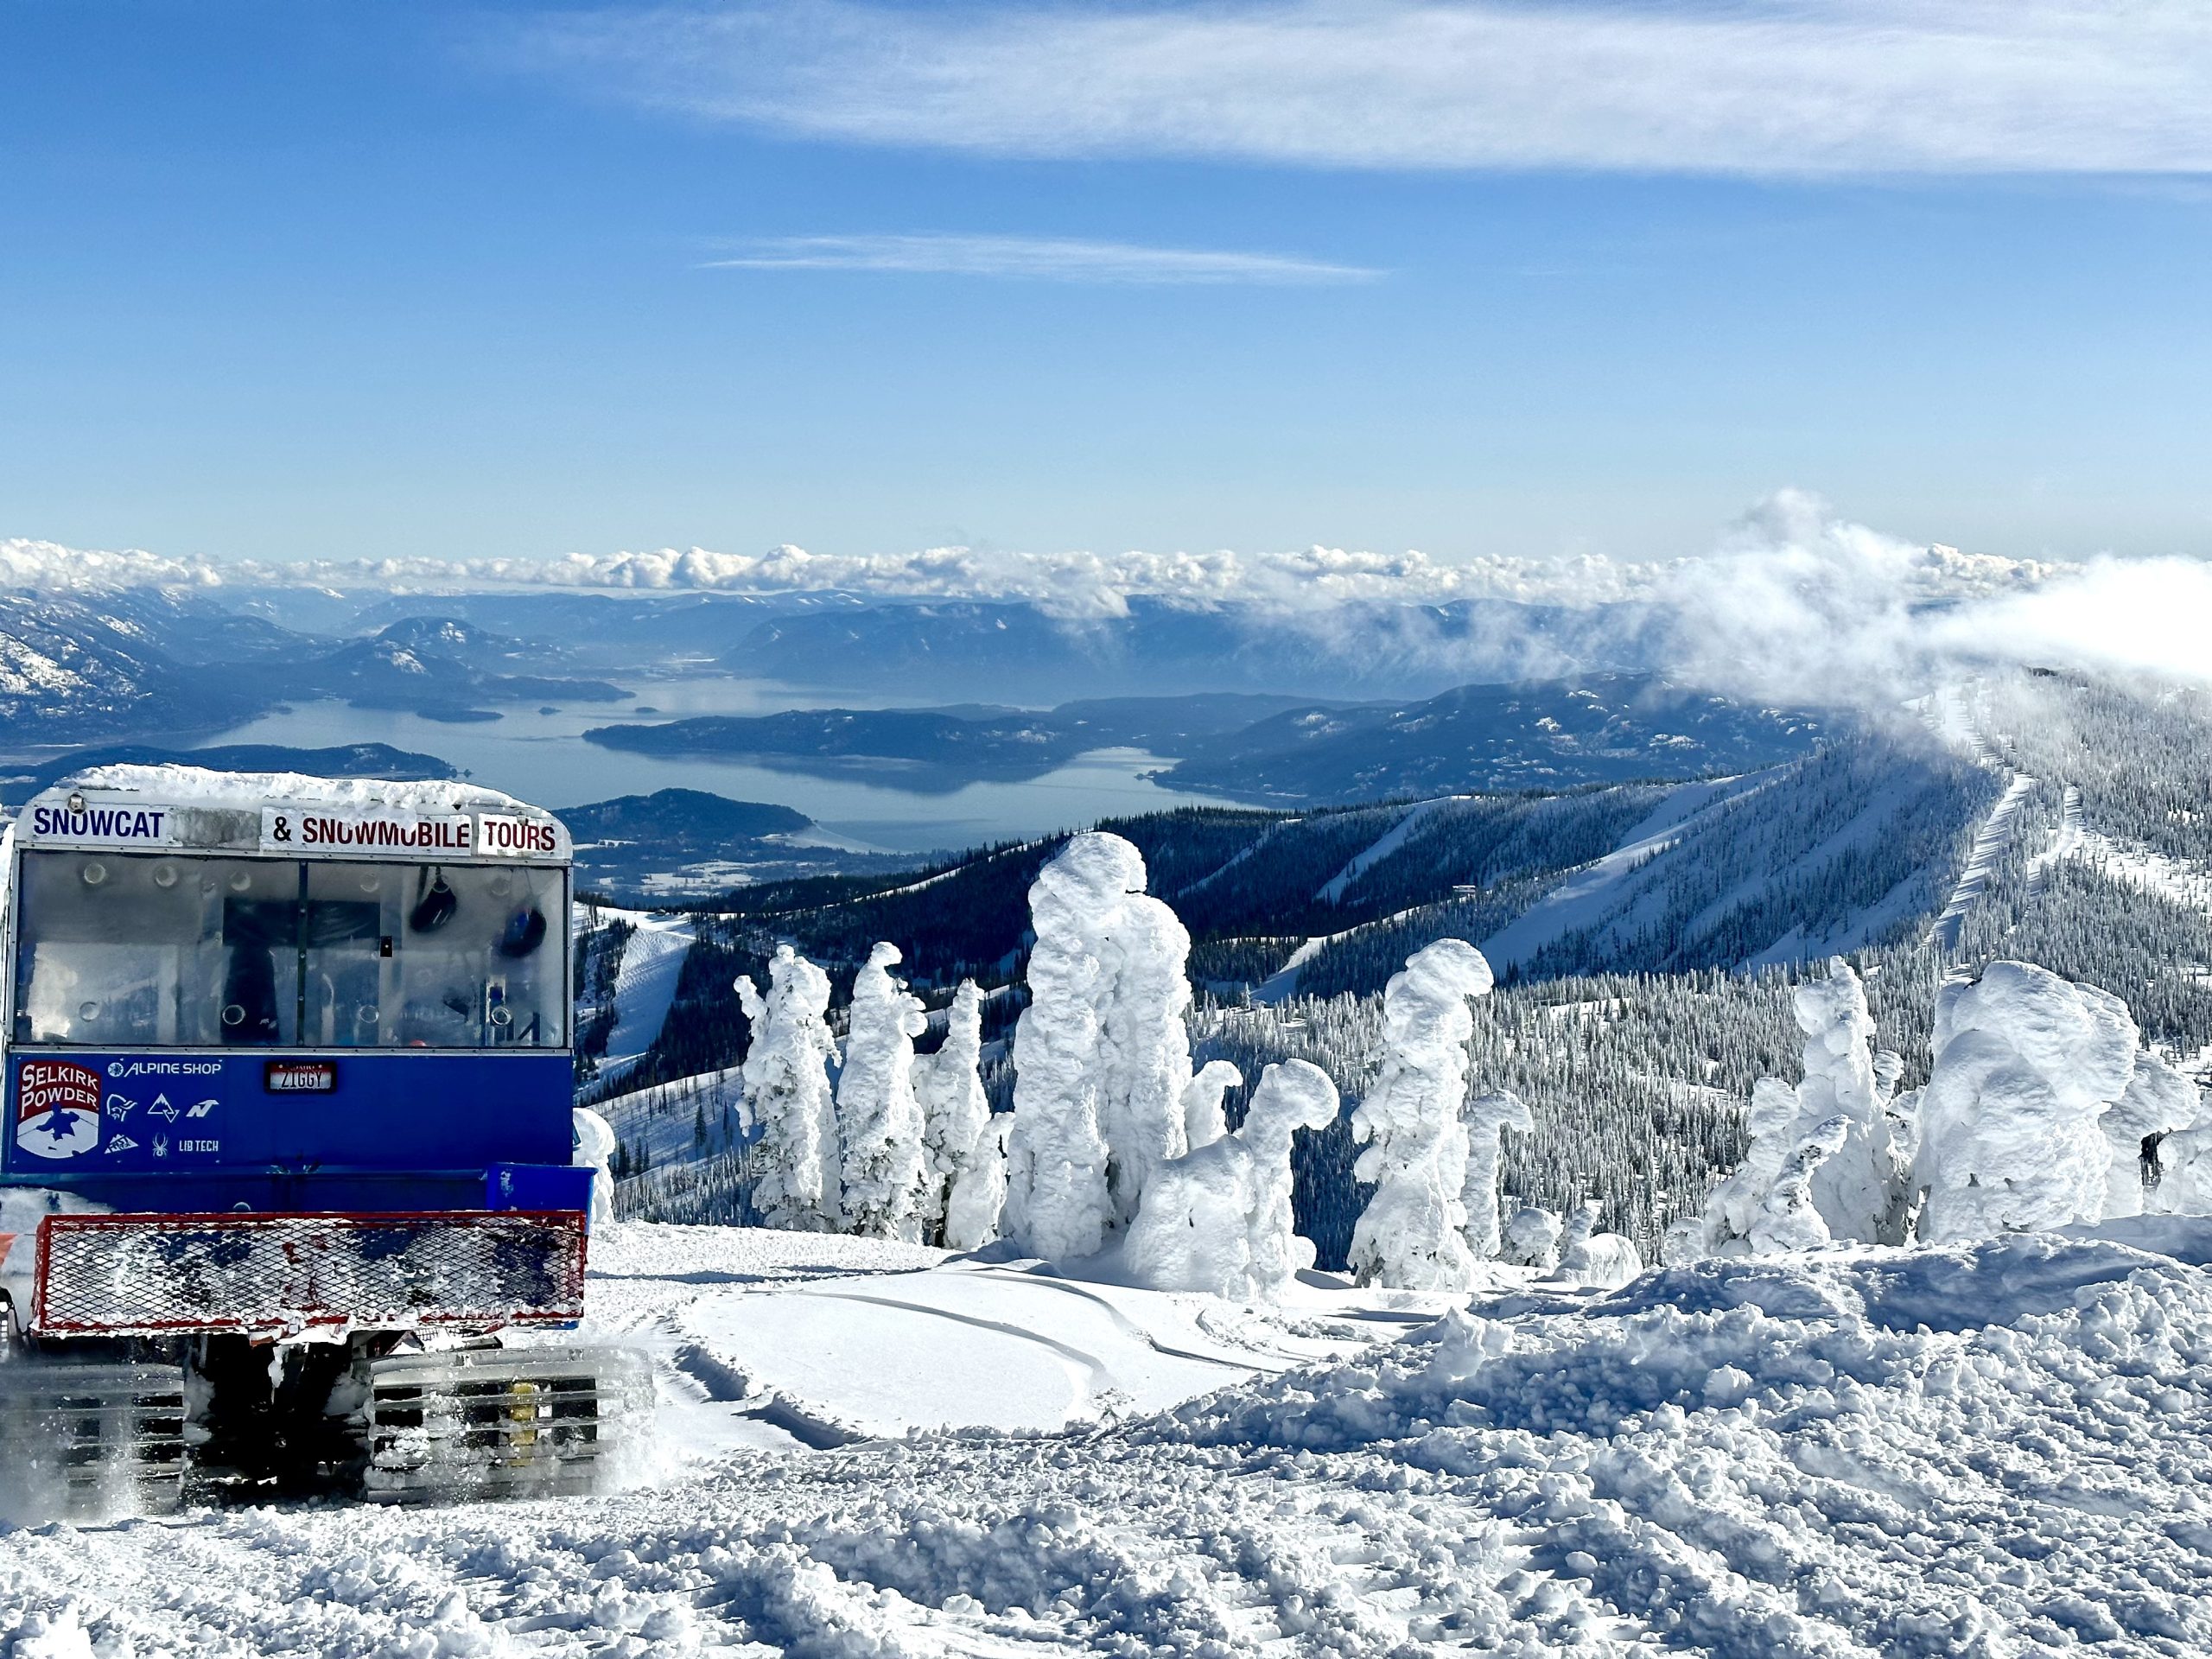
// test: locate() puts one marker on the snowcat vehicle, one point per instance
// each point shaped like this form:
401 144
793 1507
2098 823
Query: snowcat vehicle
287 1081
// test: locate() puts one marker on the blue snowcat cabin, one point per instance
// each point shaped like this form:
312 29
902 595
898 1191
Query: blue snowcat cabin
273 993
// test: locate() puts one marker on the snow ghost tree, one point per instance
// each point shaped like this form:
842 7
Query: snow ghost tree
1488 1117
593 1140
1531 1239
954 1111
1790 1217
879 1119
1412 1234
1102 1060
787 1102
1860 1188
2157 1101
1218 1218
2027 1064
1587 1257
1203 1120
1056 1202
977 1198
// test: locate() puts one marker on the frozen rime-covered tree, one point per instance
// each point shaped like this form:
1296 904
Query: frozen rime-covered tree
1860 1187
1790 1218
1412 1234
1056 1201
1531 1238
2027 1064
2157 1101
1101 1058
954 1109
593 1146
879 1119
977 1198
1218 1218
787 1101
1203 1120
1587 1257
1488 1117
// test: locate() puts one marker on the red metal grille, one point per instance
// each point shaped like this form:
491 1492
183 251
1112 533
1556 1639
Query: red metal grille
153 1274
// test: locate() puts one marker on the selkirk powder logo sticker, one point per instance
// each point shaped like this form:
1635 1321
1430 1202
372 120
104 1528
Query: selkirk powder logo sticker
57 1108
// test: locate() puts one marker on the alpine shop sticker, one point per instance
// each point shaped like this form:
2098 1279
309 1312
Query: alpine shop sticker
57 1108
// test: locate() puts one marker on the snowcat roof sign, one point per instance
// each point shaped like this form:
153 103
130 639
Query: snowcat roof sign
190 809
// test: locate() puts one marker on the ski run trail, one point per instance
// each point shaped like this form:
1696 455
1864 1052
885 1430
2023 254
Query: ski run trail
644 985
873 1450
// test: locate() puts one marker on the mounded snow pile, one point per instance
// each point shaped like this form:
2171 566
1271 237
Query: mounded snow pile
1218 1218
787 1099
1984 1449
1102 1060
2027 1064
1412 1232
879 1119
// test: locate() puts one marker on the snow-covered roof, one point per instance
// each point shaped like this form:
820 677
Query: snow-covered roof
251 791
287 813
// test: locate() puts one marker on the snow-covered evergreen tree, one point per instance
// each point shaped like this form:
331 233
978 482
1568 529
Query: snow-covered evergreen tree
1488 1117
787 1099
1218 1218
977 1198
1790 1217
1101 1054
2027 1064
1531 1238
1057 1203
594 1144
954 1109
1412 1234
1203 1120
1144 1046
2157 1101
1587 1257
879 1120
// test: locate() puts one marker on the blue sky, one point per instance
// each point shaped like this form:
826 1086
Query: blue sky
343 281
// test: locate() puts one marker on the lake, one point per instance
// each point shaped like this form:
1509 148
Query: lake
544 758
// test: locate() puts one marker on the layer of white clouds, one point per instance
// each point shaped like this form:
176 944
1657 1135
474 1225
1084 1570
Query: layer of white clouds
1800 87
1795 603
1052 258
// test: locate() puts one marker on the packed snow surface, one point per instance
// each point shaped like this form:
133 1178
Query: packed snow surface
1987 1449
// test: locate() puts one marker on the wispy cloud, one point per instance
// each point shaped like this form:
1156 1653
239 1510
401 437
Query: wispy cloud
1053 258
1777 87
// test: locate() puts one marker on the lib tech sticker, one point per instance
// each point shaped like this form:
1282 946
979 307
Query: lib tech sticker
57 1108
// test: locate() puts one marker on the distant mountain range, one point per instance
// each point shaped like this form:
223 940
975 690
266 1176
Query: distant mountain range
1602 728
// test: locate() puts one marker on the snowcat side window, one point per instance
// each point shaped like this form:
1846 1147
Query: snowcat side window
129 950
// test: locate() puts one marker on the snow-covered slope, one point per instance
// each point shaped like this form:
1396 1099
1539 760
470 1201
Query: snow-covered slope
1987 1450
645 986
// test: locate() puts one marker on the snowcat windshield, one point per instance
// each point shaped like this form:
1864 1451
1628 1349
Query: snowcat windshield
129 950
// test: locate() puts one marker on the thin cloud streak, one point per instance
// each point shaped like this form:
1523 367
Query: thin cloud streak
1048 259
1765 87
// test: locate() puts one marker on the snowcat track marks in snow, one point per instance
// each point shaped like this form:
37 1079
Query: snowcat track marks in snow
81 1440
525 1422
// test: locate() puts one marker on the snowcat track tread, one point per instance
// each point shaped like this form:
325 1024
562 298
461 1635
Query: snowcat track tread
86 1439
510 1422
